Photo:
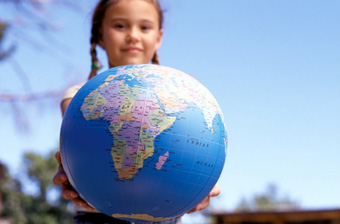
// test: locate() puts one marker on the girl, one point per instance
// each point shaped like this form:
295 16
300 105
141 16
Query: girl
130 32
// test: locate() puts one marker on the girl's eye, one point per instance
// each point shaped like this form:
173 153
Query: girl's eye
119 26
145 28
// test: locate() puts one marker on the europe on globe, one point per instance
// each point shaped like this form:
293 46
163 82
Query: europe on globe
143 142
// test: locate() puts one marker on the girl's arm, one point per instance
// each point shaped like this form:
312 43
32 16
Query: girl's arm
60 177
64 105
67 190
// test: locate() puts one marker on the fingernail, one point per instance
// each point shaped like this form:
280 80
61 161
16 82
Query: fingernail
63 177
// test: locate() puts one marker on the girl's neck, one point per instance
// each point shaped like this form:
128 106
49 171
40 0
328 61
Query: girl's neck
111 65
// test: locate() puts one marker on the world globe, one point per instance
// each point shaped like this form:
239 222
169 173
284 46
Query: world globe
143 142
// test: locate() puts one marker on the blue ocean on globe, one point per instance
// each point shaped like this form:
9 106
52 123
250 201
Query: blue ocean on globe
143 142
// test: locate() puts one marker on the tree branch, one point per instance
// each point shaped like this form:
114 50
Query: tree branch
10 97
21 73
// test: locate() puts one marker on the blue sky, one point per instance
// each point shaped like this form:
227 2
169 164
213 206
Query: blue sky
273 66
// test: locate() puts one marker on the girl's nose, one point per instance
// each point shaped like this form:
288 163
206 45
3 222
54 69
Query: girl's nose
133 36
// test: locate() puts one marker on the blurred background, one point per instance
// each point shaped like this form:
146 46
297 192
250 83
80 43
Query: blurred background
273 66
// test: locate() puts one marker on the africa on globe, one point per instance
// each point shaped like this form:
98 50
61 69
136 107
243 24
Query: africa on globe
143 142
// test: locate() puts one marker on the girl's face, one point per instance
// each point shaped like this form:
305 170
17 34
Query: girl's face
130 32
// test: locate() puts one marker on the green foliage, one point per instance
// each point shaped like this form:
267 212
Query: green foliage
12 199
20 208
41 170
267 201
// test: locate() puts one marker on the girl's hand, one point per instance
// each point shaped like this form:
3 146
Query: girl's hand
206 201
67 190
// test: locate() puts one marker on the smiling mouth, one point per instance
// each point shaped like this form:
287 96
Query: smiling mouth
132 50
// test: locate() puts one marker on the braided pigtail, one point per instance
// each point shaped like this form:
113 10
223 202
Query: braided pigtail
97 18
155 59
95 65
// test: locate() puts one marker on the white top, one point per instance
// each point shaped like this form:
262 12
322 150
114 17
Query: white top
70 92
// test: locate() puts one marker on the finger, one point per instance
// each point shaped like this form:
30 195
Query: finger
192 210
78 201
215 191
202 205
58 157
67 192
205 203
60 177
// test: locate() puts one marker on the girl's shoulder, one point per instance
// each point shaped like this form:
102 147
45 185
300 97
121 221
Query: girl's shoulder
70 92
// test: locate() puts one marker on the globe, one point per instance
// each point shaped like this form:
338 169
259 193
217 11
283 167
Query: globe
143 142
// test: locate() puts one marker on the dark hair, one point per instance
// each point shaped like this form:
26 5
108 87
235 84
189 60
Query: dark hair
97 18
